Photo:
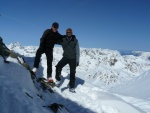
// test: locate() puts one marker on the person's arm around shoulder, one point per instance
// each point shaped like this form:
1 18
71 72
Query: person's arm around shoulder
60 39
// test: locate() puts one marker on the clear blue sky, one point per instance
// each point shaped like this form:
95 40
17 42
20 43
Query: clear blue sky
108 24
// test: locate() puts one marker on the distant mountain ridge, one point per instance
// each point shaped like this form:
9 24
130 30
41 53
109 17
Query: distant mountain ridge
99 66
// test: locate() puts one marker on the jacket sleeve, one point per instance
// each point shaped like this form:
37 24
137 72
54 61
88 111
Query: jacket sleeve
59 39
42 40
77 52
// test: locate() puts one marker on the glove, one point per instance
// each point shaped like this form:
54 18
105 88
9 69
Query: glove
77 64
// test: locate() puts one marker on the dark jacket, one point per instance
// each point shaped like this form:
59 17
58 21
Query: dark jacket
70 47
49 39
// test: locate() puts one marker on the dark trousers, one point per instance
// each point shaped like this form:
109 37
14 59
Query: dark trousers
72 64
49 56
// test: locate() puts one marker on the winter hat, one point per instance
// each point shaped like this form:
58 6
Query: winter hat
69 30
55 25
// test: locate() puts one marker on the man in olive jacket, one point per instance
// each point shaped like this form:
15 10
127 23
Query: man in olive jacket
70 46
49 38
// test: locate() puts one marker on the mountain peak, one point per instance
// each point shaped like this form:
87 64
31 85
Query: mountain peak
15 45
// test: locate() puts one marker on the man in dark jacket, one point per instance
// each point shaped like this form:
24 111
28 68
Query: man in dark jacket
49 38
3 51
71 53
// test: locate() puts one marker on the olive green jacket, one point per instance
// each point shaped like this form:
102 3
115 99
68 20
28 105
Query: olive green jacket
70 47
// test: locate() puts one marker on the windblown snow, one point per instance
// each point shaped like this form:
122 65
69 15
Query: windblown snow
107 81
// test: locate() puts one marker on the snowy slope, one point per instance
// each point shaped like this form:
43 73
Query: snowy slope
136 87
18 92
101 79
15 82
135 91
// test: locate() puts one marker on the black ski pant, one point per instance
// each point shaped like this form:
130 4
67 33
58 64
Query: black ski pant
49 56
72 64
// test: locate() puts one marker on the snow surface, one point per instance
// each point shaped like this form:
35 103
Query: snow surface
107 81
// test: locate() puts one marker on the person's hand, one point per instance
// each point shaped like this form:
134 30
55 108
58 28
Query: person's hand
77 64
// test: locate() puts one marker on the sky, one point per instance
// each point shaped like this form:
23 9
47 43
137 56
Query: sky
107 24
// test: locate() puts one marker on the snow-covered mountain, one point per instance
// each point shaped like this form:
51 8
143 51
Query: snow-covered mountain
107 81
99 66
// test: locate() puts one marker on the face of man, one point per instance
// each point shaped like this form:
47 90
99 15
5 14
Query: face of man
55 29
69 33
